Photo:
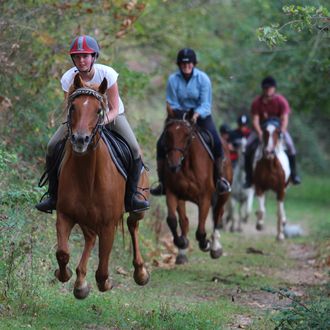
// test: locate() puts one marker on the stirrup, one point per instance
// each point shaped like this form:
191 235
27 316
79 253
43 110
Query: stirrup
47 205
223 186
295 180
129 203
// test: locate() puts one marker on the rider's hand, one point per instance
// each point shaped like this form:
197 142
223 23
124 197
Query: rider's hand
260 135
194 117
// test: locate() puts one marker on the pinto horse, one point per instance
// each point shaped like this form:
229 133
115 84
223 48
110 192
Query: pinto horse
189 176
271 172
91 192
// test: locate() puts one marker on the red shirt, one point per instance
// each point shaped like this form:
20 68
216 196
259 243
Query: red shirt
275 107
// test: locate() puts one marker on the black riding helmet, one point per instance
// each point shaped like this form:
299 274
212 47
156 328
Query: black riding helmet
186 55
268 82
224 129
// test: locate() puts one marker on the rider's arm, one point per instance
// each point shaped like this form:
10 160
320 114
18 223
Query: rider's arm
256 124
113 103
284 122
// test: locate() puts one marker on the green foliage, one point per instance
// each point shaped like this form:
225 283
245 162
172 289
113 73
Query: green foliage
301 18
301 315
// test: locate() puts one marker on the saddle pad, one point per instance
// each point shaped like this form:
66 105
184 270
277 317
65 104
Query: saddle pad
207 141
119 151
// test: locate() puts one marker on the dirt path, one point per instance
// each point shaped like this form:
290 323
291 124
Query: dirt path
303 273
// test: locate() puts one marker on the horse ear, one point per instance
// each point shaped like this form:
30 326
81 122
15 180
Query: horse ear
77 82
103 87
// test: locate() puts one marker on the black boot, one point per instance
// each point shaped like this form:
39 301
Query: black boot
295 179
222 185
48 204
248 159
160 189
132 203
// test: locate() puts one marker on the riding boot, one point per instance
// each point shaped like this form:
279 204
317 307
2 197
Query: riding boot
48 204
295 179
160 189
222 185
248 159
132 203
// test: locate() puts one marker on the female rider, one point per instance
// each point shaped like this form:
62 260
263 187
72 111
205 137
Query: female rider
190 88
84 51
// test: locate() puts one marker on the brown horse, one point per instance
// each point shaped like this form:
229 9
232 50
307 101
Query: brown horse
189 177
272 172
91 192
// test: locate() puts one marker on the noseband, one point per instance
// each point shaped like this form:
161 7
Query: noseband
183 150
100 121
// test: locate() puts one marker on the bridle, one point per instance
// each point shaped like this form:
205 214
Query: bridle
101 113
183 150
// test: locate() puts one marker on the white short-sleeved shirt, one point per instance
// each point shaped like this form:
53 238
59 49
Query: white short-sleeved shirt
101 72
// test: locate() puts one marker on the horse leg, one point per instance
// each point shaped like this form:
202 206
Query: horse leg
63 227
172 205
248 204
141 275
106 238
281 219
216 247
203 209
183 241
81 288
240 216
261 212
231 204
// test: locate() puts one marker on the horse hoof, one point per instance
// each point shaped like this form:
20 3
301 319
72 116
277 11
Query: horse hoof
215 254
105 286
205 247
259 226
65 278
81 293
141 277
181 259
181 242
280 237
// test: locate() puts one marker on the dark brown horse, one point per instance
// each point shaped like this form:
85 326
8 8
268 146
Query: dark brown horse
272 172
189 177
91 192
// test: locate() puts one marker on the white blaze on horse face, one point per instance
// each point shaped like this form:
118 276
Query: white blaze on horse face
270 145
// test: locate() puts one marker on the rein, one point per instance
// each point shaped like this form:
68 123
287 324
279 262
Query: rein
100 122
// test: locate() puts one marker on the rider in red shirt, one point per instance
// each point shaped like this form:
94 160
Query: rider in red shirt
269 105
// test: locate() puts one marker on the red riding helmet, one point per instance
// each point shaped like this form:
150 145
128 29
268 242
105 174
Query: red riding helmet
84 45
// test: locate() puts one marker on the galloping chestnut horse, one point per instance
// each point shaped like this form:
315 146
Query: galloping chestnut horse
189 176
91 191
272 172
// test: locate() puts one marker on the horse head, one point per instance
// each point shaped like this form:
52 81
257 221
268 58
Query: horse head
178 136
86 110
271 137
